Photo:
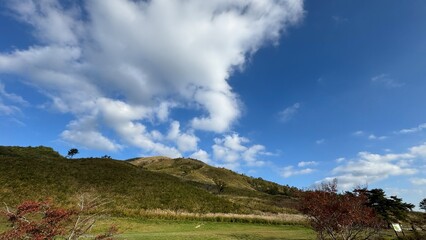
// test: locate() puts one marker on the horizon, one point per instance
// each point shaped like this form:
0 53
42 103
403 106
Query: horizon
295 92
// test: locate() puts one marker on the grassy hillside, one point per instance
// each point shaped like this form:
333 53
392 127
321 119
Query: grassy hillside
137 185
40 172
252 193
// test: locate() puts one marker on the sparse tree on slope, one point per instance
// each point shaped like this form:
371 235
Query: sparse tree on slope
72 152
422 204
220 185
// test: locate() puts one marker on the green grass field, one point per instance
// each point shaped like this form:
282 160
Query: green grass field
137 228
133 228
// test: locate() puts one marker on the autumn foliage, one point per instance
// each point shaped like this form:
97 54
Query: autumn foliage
36 220
339 216
41 220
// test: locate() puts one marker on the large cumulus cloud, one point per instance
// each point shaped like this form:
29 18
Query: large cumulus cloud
122 64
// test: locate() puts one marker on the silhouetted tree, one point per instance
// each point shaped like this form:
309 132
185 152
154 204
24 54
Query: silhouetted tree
72 152
422 204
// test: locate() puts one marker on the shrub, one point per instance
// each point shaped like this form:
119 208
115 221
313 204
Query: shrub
40 220
339 216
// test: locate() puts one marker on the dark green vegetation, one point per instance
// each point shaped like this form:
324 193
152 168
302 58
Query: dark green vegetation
391 209
422 204
38 173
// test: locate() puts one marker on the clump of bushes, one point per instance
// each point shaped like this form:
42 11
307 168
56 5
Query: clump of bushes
41 220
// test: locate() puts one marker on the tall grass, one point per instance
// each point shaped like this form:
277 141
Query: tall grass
264 218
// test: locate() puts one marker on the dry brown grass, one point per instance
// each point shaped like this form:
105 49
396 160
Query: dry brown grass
148 160
268 218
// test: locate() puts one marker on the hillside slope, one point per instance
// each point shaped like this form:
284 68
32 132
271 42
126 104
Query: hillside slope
253 193
40 173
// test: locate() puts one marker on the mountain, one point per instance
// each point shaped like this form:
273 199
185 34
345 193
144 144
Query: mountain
253 193
37 173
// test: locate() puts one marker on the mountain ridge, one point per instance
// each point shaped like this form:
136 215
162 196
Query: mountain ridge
135 185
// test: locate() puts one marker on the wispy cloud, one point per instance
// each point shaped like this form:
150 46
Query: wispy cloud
418 181
10 103
8 110
301 169
288 113
419 128
339 19
304 164
369 136
291 171
387 81
374 137
320 141
358 133
11 96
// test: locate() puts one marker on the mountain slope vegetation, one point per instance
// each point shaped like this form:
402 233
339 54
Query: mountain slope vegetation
38 173
253 193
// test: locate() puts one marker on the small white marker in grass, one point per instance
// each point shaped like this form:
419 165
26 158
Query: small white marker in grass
199 225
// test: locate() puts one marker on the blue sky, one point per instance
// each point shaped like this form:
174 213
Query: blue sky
293 91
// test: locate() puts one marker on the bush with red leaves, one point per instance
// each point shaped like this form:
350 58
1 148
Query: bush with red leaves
339 216
42 221
36 220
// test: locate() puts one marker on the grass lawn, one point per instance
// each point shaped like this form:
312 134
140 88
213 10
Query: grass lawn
3 224
136 228
132 228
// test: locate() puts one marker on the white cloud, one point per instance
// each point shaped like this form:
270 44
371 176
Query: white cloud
419 128
201 155
288 113
359 133
320 141
84 132
11 96
250 156
304 164
369 167
52 23
369 136
8 110
184 141
418 181
233 149
129 63
9 102
374 137
302 169
291 171
387 81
